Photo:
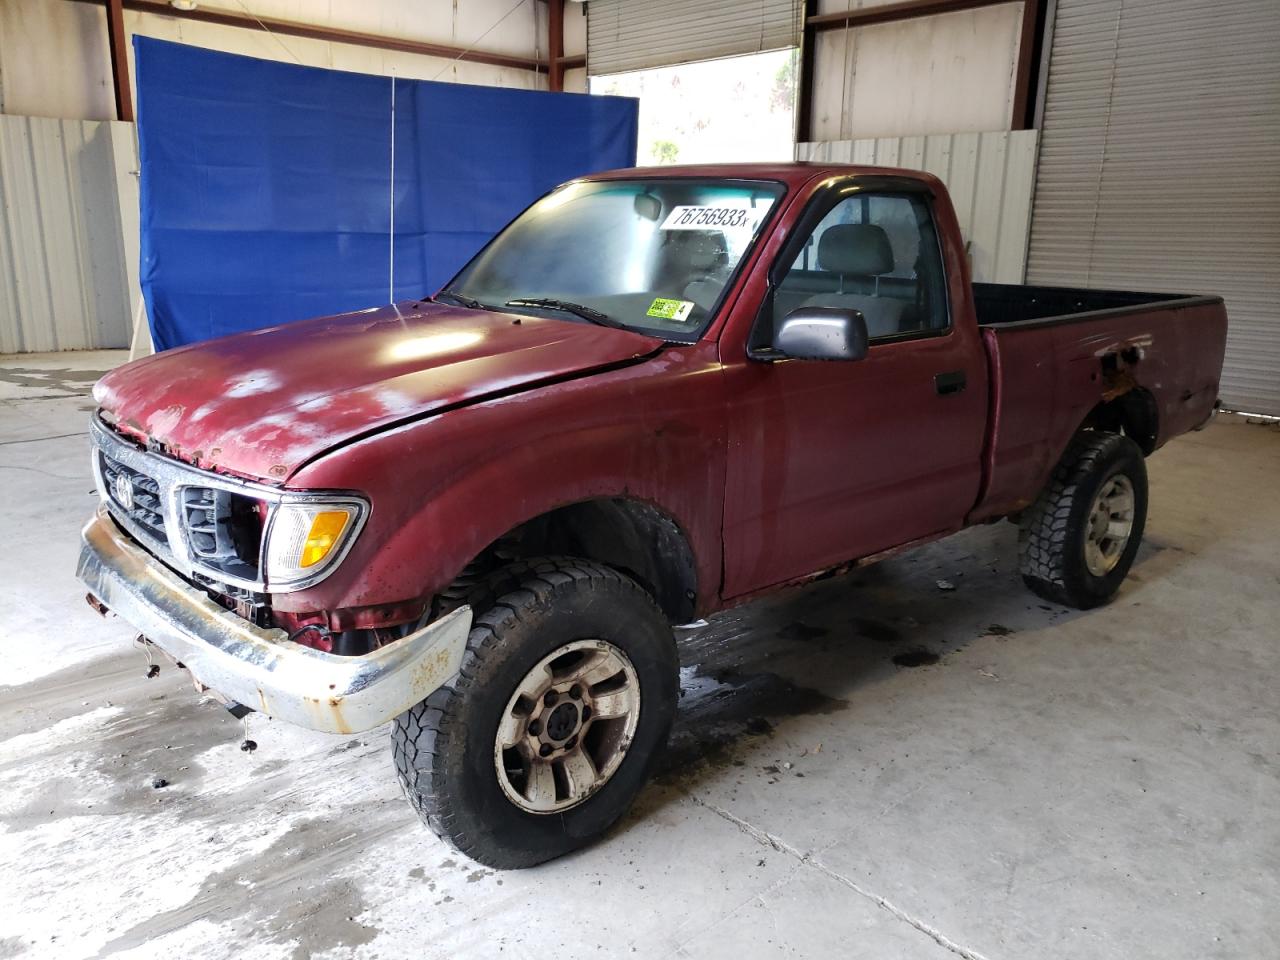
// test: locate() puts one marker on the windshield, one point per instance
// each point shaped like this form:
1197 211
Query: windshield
652 255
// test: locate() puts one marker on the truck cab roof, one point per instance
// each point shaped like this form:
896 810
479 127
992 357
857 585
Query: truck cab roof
794 173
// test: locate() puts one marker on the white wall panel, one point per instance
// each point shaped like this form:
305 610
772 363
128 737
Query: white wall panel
951 72
989 176
54 59
1160 165
68 234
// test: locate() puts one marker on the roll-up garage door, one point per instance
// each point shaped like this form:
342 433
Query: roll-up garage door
1160 165
627 35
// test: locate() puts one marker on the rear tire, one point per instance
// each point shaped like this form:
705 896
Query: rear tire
1078 540
563 615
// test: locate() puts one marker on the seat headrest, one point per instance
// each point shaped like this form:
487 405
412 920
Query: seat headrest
859 248
699 251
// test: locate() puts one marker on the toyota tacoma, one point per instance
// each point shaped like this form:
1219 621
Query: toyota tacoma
657 393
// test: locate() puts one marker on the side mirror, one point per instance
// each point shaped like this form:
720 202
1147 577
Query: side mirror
822 333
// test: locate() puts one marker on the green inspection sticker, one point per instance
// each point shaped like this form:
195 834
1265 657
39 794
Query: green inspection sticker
664 309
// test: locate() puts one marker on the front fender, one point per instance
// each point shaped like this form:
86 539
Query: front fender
446 487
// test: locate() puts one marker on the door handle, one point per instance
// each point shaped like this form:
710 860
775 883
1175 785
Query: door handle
951 382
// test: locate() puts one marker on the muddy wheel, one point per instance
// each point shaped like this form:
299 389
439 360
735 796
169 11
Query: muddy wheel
1078 540
565 698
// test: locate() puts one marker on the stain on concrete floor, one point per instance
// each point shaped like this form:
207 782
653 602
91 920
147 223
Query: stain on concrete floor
258 897
67 381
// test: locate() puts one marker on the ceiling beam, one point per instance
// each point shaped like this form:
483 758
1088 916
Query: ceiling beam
890 12
119 44
1033 13
292 28
555 45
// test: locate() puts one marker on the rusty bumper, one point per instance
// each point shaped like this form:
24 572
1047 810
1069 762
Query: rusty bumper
260 667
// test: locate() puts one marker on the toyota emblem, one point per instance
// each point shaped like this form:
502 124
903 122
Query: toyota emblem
124 491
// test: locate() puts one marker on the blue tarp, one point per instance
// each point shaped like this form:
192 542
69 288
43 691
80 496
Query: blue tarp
266 187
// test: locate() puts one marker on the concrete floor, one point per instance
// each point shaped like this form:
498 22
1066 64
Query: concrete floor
1055 785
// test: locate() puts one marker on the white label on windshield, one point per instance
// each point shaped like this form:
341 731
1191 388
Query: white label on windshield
713 218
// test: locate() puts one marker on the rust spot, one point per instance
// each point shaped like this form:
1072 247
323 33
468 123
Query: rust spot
431 672
279 470
1117 378
1117 383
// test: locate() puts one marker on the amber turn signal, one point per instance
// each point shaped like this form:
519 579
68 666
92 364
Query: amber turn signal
325 533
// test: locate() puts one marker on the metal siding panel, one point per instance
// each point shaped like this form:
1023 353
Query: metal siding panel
76 282
624 36
10 298
937 156
988 208
123 147
29 275
1020 172
962 183
1160 165
67 269
911 153
52 205
106 259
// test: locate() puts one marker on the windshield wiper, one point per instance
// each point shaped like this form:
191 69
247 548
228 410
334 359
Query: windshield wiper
468 302
565 306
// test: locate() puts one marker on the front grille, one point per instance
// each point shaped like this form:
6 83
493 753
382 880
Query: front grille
135 495
205 526
223 529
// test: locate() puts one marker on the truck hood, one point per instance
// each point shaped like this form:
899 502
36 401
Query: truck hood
264 403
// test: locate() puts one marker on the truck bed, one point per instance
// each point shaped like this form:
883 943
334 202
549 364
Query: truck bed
1055 353
1006 303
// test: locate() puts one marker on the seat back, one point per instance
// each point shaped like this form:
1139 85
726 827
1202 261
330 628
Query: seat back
855 249
859 252
696 261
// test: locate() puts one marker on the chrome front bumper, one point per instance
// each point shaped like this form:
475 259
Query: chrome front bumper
260 667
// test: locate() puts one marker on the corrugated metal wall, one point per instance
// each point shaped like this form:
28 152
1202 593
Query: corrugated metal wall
624 35
989 176
1160 165
68 234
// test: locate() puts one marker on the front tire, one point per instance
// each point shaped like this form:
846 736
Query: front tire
565 698
1078 540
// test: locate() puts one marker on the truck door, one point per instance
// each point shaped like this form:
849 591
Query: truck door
835 460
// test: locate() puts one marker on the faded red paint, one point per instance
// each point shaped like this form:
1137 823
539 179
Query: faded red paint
262 404
772 471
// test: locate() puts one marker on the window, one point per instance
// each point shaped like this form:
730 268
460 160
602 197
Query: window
875 253
735 110
652 254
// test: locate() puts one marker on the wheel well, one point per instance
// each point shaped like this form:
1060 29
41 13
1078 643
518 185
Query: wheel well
633 537
1132 413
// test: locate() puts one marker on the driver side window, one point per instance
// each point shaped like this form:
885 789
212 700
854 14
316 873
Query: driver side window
875 253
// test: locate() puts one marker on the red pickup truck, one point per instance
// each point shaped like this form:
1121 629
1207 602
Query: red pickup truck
656 394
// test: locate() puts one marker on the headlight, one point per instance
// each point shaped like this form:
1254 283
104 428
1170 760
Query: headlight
306 539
